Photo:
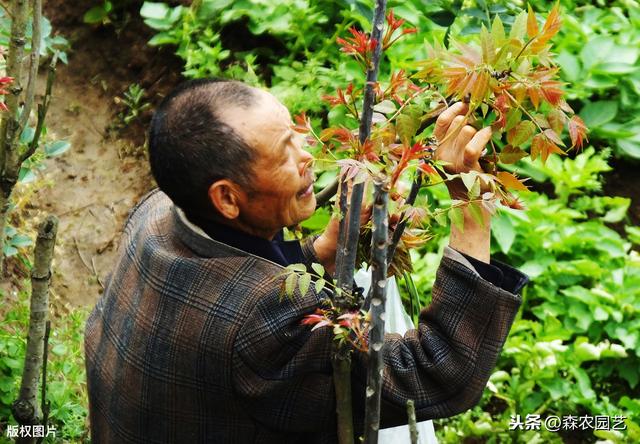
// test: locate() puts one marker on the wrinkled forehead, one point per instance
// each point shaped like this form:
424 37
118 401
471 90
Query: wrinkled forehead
262 122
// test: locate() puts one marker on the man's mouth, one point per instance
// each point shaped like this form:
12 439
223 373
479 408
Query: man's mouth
307 190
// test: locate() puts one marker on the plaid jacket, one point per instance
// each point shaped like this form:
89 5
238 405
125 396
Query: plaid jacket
190 344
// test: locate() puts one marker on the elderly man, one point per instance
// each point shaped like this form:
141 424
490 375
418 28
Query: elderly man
190 342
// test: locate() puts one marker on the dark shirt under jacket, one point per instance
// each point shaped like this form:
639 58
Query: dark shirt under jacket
290 252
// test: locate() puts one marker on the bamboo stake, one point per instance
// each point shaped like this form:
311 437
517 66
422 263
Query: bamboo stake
379 242
413 426
25 409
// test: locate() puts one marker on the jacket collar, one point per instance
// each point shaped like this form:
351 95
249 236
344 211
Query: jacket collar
204 236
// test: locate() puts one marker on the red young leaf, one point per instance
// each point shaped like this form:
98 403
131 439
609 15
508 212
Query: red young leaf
521 133
556 119
577 132
510 181
511 154
542 146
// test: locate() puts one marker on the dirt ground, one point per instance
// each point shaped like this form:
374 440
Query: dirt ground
92 187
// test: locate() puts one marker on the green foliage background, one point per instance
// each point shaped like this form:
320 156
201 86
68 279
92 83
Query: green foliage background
575 346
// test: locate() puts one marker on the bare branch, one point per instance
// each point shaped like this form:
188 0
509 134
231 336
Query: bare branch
42 110
36 37
379 241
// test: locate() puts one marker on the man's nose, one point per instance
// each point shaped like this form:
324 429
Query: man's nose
305 160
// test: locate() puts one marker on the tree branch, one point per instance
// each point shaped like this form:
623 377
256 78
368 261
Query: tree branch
20 13
42 111
36 37
379 241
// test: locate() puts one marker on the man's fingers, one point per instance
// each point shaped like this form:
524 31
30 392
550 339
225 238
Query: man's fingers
454 129
447 116
473 149
466 135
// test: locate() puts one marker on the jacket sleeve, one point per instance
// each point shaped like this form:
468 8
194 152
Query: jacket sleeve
445 363
282 370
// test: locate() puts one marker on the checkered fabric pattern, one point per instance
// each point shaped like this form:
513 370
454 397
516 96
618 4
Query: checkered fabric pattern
190 343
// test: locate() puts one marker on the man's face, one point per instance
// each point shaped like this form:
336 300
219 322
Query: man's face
282 179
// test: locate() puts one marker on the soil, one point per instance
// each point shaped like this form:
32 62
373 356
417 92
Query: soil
92 187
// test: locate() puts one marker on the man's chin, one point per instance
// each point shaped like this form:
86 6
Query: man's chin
307 207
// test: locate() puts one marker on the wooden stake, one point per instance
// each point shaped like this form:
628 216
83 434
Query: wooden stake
25 409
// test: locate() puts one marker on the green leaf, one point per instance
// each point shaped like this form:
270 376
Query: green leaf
152 10
521 133
488 48
290 284
519 27
385 107
408 122
442 17
511 154
301 268
303 283
95 15
56 148
503 231
319 269
441 218
457 217
570 66
514 116
629 147
475 208
596 114
320 283
21 240
59 349
497 30
27 135
586 352
12 363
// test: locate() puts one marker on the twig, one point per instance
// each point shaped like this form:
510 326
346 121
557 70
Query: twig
75 242
327 193
42 110
33 68
413 426
95 272
379 241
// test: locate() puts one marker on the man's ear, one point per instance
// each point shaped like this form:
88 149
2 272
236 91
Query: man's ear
225 196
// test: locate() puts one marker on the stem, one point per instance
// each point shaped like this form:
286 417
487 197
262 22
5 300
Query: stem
25 409
347 250
413 426
327 193
4 211
341 362
513 99
42 111
411 199
379 241
9 126
34 61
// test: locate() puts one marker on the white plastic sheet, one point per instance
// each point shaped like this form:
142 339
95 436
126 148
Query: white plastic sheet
397 321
